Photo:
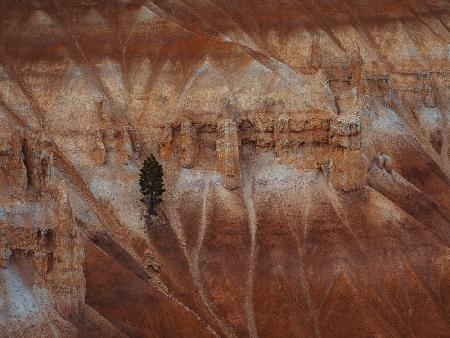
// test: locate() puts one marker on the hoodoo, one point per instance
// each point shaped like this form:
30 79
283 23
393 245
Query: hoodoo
298 181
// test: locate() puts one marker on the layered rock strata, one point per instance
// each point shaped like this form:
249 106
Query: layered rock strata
306 156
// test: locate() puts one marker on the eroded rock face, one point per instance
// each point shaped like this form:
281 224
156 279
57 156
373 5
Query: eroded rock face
49 257
228 155
305 147
281 137
187 144
349 165
14 173
5 251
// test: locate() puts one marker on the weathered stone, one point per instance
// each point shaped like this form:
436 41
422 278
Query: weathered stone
281 136
12 168
99 151
348 169
379 161
316 56
156 267
42 263
264 140
32 159
345 131
46 163
305 248
187 144
310 121
227 145
68 255
387 163
36 160
5 251
428 94
166 142
124 146
110 137
358 77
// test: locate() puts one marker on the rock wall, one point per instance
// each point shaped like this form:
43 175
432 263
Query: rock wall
331 141
305 147
56 252
40 240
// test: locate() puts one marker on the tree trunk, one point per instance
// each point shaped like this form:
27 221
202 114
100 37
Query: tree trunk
151 202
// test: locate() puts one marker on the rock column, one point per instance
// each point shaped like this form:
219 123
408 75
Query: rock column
227 145
428 93
12 168
281 136
69 281
43 251
46 164
124 147
349 167
166 142
187 144
5 252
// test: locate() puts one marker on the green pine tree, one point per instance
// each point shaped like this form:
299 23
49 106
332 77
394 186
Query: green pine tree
152 182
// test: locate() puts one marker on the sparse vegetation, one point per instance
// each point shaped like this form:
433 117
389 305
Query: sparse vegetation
151 180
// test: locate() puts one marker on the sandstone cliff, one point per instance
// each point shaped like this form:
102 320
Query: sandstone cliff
306 153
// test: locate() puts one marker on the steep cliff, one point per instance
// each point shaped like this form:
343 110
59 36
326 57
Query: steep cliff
305 146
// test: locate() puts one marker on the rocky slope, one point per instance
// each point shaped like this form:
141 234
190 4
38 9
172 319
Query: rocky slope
307 164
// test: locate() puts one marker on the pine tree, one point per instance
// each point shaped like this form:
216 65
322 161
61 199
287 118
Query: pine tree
152 182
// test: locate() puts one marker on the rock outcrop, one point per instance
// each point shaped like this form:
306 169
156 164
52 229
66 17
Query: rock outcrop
349 165
56 251
5 251
281 137
187 144
13 173
68 256
306 156
228 156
